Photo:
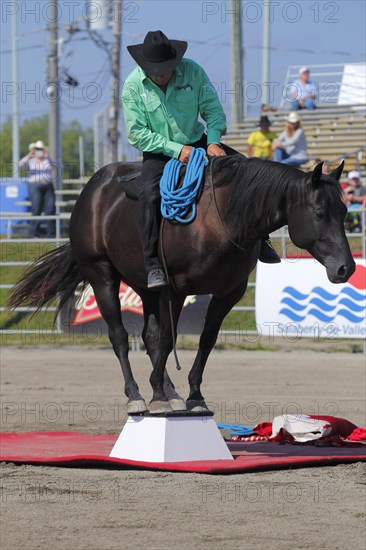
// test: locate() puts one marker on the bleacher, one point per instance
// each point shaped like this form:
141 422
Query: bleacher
333 132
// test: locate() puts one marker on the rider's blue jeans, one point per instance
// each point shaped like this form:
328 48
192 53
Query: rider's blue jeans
309 104
280 155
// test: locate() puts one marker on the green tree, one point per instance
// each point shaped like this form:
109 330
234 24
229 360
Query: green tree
70 150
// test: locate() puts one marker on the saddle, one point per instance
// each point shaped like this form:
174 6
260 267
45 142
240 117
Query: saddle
130 183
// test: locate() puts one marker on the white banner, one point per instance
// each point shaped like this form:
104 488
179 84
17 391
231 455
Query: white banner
353 86
295 298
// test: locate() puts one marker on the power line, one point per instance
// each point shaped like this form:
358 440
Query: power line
249 47
36 46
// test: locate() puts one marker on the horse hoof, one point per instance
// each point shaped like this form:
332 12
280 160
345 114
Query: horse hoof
157 407
178 404
136 407
196 406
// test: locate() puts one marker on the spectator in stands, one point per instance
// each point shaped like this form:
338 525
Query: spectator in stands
303 91
40 182
265 108
354 197
291 146
354 192
260 141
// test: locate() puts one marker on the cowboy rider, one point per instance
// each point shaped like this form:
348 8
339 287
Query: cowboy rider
162 99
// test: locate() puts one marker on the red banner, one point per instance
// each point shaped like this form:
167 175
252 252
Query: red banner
86 307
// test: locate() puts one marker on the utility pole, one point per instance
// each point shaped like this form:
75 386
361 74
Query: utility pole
15 76
115 106
53 92
237 99
265 51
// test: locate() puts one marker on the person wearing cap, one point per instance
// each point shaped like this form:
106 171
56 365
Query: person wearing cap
354 198
260 141
303 91
354 192
291 146
162 100
40 183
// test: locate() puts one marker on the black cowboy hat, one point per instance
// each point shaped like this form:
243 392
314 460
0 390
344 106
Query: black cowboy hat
264 121
158 55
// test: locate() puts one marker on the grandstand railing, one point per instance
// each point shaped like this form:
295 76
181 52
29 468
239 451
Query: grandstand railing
327 77
358 153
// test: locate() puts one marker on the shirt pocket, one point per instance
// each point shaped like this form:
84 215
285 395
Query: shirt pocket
185 95
152 105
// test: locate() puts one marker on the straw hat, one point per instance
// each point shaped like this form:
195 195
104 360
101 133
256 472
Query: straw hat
293 117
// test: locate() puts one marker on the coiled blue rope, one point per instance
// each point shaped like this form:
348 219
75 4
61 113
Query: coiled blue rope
176 204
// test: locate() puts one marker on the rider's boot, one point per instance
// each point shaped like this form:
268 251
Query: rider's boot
156 278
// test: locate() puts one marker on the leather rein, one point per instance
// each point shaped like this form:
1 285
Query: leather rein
210 177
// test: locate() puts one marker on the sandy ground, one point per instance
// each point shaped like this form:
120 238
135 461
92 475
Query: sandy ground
80 389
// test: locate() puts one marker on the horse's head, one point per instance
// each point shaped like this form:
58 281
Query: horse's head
317 223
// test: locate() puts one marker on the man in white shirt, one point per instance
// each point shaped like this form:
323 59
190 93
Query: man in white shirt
303 91
39 168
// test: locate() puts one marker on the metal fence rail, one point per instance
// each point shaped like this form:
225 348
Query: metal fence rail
281 234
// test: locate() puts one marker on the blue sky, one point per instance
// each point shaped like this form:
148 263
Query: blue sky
321 26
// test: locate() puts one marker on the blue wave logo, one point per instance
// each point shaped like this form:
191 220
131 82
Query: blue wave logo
323 305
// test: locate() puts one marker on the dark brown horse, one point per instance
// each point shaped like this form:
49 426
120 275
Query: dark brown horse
242 201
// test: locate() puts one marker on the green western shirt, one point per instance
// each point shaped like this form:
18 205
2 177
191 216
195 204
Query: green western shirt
163 123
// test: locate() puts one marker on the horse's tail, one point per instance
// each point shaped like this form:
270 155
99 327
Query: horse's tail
53 273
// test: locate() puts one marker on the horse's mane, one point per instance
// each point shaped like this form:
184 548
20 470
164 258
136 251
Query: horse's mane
261 187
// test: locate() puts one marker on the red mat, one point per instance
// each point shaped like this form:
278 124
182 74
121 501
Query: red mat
75 449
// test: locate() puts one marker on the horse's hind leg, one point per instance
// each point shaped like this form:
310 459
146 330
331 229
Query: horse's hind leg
217 311
105 282
151 338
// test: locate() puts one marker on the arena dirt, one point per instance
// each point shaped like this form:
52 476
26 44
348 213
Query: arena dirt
80 389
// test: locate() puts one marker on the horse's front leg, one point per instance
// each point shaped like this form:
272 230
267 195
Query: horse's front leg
160 343
217 311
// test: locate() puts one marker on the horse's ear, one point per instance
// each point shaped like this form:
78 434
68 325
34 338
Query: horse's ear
336 174
317 174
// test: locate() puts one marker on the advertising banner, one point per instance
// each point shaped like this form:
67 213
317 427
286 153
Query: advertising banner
295 298
83 316
353 88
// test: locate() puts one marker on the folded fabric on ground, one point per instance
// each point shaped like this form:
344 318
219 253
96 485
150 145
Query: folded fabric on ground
236 429
359 434
92 451
304 428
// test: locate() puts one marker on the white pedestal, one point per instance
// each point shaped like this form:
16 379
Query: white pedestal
170 439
